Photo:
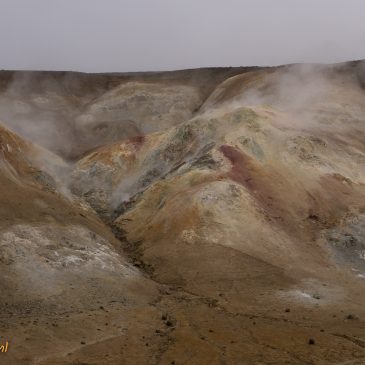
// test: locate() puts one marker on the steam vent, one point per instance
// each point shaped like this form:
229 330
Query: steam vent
211 216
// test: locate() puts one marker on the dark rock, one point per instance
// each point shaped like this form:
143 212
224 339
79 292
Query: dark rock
169 324
313 217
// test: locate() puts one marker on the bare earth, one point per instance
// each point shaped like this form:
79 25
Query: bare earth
209 216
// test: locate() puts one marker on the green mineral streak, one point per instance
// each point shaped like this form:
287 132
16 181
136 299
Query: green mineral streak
245 115
253 146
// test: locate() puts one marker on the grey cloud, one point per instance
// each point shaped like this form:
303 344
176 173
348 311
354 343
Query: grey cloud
126 35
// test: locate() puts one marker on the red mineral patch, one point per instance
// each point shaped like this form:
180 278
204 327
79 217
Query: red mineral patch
136 141
264 184
242 166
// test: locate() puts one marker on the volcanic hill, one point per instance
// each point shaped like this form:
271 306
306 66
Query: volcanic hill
207 216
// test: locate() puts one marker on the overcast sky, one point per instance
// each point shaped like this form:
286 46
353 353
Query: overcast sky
133 35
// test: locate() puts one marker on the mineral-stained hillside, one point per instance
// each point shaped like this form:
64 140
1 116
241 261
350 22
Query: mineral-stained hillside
209 216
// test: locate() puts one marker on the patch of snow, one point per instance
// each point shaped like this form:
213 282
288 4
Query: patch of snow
297 295
72 259
304 295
